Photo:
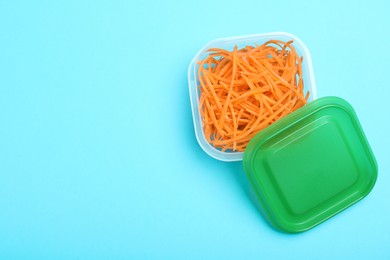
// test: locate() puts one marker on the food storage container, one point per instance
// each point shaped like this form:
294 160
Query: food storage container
307 166
228 44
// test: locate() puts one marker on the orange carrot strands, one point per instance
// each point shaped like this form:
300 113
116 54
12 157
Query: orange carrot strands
225 106
245 90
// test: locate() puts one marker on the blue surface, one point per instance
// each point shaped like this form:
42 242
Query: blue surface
98 156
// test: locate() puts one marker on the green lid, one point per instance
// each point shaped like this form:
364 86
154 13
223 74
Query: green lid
310 165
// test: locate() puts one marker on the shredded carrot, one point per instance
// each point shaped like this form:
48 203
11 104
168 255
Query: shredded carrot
245 90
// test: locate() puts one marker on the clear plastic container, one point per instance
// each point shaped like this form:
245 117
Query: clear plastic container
228 44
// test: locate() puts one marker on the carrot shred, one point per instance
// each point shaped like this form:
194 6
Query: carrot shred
245 90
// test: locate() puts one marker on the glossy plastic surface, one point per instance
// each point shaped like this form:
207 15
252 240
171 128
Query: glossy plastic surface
310 165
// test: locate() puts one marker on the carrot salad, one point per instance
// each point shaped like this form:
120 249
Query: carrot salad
245 90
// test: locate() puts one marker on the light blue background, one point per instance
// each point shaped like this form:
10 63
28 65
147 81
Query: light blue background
98 157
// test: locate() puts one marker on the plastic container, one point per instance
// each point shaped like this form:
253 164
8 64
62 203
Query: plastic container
310 165
229 43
